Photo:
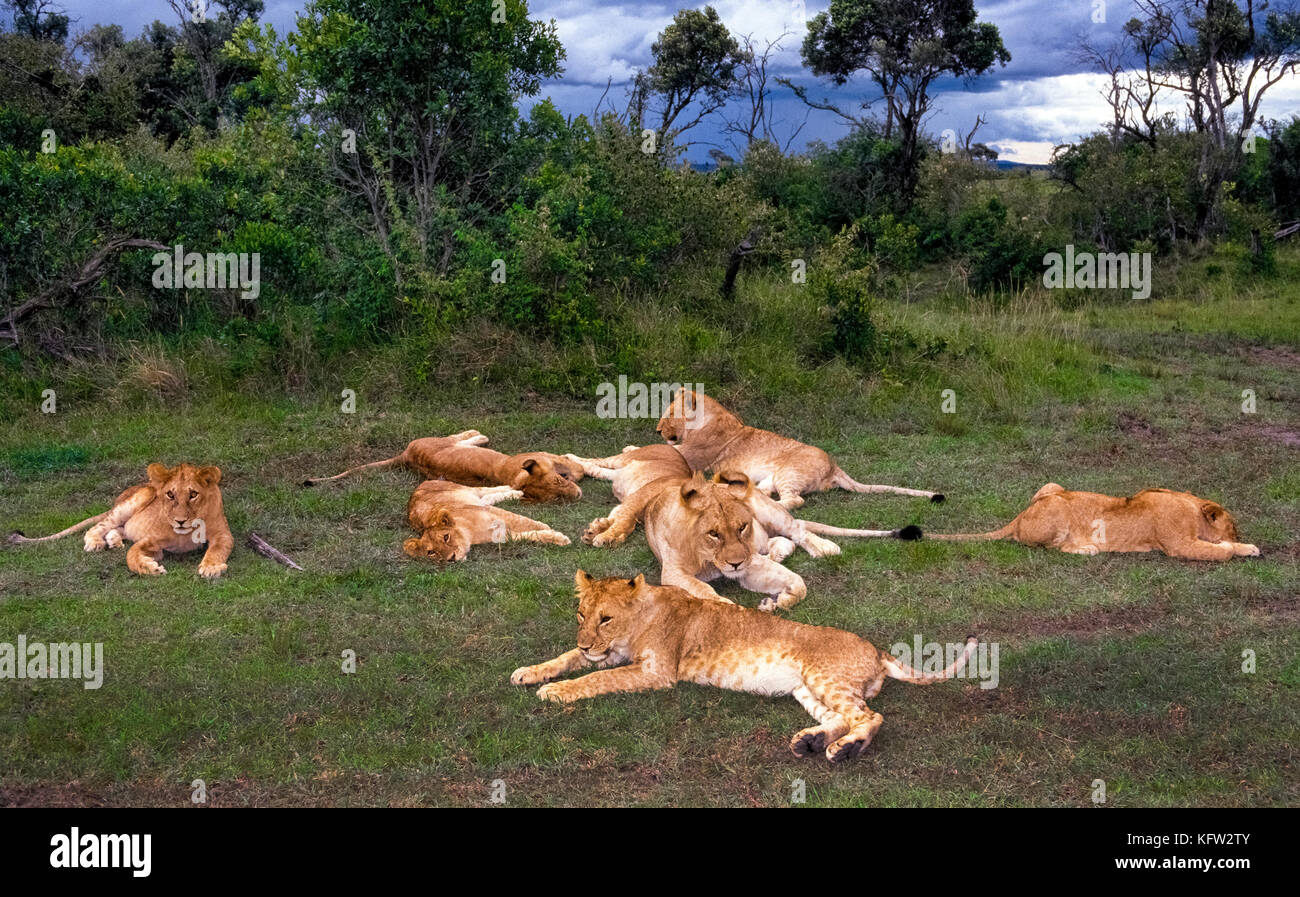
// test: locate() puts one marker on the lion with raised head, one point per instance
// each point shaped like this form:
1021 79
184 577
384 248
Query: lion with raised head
177 510
1177 523
701 530
710 437
540 476
643 637
450 518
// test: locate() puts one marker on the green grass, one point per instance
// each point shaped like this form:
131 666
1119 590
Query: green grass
1123 668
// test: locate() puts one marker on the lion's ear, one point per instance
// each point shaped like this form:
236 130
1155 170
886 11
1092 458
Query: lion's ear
530 465
158 474
1211 513
209 476
737 483
688 400
443 518
693 490
637 581
581 580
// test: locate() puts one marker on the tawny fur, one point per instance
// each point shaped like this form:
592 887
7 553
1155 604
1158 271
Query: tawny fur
635 467
1177 523
177 510
540 476
701 530
643 637
450 518
710 437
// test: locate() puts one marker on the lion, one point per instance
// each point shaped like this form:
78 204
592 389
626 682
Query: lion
540 476
643 637
451 518
709 436
1177 523
635 467
176 510
704 529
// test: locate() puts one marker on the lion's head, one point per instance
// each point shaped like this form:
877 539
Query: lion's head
688 416
541 479
720 521
1217 525
190 495
443 540
609 614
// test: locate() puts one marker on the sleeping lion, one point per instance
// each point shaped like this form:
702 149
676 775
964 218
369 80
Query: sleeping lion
1177 523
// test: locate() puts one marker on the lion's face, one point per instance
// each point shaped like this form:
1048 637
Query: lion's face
190 495
683 417
541 480
443 541
1217 525
722 524
608 614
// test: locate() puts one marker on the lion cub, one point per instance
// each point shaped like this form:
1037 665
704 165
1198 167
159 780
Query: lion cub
710 437
461 458
1177 523
451 518
177 510
647 637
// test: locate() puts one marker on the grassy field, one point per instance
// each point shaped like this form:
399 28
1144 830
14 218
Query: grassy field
1122 668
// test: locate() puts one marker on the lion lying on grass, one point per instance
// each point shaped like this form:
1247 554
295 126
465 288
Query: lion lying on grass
540 476
451 518
177 510
710 437
1177 523
702 529
647 637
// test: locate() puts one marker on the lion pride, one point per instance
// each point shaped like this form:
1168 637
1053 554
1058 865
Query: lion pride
711 437
643 637
177 510
1177 523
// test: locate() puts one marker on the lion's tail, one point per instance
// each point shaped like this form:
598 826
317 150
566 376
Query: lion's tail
373 465
899 670
1005 533
17 538
844 481
824 529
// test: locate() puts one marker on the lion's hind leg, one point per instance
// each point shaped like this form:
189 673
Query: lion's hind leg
850 724
831 726
470 438
108 532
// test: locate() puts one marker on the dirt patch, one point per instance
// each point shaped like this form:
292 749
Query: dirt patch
1138 427
1085 624
1275 356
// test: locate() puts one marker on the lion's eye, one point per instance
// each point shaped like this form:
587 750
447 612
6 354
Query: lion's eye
744 526
446 537
580 618
171 496
713 534
193 495
604 620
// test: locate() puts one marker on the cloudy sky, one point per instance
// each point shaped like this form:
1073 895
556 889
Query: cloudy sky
1042 98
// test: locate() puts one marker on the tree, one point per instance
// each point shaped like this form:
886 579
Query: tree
696 60
41 20
1221 57
756 121
904 46
428 89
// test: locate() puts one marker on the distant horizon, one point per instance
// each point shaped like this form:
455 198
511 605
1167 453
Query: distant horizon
1045 96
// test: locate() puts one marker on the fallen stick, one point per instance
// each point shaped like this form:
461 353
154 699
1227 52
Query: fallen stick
262 547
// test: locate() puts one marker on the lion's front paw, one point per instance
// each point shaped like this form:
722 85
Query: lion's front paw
112 539
558 539
560 692
149 567
211 571
767 605
94 543
529 675
820 548
514 495
1246 550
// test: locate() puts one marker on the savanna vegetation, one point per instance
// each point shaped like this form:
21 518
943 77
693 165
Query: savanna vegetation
459 263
